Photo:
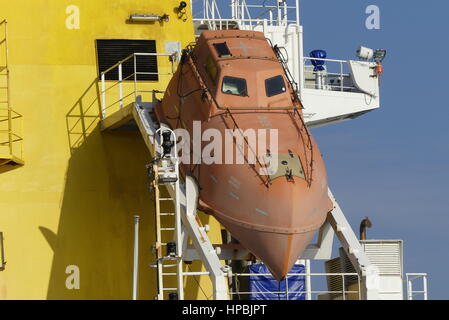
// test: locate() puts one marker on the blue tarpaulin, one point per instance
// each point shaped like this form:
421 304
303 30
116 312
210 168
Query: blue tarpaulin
261 287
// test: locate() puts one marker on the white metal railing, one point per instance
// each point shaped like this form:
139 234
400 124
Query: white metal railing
226 24
210 9
277 12
249 15
128 86
309 292
336 76
411 279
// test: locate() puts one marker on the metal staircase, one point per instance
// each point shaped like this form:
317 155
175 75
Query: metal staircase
182 223
164 171
10 120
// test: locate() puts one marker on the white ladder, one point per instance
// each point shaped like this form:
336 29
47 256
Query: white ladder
165 168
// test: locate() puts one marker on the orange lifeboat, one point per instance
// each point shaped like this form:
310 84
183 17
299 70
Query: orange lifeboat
234 80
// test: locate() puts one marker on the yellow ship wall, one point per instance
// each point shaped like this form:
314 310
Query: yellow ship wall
72 202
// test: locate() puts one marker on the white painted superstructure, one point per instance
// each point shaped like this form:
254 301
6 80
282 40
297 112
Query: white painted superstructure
347 88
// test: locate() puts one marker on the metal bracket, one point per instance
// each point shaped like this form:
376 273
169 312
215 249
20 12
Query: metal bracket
203 246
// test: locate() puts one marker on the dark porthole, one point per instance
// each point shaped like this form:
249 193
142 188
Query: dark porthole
275 86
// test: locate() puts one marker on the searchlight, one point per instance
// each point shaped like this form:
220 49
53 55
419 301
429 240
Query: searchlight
367 54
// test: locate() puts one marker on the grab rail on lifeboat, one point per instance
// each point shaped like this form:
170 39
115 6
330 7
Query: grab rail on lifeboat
227 112
264 178
266 181
306 142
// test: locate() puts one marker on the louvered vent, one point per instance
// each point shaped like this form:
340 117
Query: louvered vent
347 267
110 52
387 256
334 283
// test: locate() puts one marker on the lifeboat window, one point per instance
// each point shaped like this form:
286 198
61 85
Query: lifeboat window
275 86
222 49
235 86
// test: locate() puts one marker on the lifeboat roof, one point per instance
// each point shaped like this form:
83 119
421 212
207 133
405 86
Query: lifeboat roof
236 44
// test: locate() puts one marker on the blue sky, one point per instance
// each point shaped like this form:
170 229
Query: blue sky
392 164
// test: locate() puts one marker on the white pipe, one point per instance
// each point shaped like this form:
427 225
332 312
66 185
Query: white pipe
308 281
103 95
135 77
285 18
136 257
120 80
297 12
425 287
279 12
409 290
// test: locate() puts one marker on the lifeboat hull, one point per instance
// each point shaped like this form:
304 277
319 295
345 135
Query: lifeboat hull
273 213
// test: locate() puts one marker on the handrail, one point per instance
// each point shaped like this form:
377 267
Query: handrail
308 145
249 15
411 293
294 87
227 111
138 54
327 60
266 181
132 77
308 291
331 75
277 13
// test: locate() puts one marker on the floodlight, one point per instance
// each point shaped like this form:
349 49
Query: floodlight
182 6
365 53
148 17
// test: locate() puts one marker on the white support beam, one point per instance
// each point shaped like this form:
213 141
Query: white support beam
188 198
203 246
224 252
322 250
369 272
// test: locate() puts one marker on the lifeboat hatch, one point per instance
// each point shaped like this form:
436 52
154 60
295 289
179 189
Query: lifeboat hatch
288 165
222 49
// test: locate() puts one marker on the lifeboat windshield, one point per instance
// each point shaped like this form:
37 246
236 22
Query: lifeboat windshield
275 86
234 86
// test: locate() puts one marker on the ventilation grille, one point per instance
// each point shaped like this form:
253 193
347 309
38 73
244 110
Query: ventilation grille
110 52
334 283
347 267
387 256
